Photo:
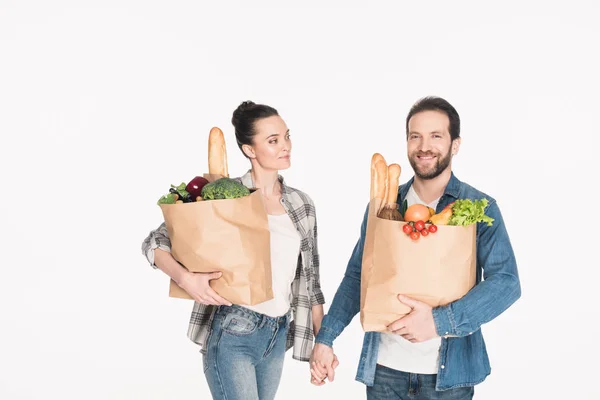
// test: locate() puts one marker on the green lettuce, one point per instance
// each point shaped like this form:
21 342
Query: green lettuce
466 212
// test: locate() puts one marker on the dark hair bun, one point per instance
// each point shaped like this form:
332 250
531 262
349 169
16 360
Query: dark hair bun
238 114
245 116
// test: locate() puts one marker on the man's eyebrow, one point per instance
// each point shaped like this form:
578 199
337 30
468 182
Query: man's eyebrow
418 133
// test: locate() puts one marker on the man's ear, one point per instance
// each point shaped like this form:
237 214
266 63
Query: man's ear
248 151
455 146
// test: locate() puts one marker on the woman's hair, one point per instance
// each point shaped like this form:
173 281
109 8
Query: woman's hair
243 120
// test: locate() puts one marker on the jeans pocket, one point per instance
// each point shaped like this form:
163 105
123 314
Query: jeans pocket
239 325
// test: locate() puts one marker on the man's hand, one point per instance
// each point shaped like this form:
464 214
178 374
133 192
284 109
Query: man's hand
322 364
416 326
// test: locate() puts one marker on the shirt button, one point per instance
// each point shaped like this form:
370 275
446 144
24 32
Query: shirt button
446 333
470 333
443 366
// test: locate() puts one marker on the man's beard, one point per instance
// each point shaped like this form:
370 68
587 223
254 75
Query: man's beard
440 165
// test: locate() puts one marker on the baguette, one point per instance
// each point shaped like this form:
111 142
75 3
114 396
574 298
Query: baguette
374 184
380 181
217 153
392 187
389 208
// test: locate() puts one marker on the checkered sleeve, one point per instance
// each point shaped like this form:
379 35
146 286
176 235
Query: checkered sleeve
157 239
318 297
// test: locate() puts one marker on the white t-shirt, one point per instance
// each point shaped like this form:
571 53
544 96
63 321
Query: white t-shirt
285 250
400 354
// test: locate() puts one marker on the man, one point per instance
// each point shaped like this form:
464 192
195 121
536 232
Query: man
430 353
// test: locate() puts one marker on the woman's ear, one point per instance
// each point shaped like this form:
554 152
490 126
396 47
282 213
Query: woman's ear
248 151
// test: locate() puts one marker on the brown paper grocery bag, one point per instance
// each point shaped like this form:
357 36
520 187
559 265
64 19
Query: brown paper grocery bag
436 269
231 236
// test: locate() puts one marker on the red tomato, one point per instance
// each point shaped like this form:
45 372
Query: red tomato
419 225
424 232
407 229
433 228
415 235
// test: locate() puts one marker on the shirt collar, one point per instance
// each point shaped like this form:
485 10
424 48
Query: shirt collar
249 183
452 188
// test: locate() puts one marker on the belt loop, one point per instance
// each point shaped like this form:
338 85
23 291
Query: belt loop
263 320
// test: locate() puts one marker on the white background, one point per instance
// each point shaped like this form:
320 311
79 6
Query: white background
104 104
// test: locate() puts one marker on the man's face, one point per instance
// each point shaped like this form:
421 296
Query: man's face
429 146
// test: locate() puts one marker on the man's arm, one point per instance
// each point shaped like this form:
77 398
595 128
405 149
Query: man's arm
346 302
499 289
345 305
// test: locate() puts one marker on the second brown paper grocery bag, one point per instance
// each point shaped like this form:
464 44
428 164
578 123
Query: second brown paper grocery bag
436 269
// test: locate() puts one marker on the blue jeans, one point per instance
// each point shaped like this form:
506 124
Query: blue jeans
391 384
244 354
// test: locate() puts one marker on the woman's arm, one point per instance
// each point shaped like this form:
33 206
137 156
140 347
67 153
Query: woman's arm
196 284
157 249
317 317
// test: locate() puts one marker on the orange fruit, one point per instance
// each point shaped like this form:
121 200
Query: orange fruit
417 212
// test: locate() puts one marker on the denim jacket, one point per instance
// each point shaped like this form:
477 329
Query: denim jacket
463 358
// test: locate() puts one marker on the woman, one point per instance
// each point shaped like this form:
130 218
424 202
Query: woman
243 348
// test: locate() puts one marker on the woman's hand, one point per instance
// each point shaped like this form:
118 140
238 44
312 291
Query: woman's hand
323 363
197 285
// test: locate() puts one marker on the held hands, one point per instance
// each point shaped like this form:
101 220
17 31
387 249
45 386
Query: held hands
197 285
416 326
322 364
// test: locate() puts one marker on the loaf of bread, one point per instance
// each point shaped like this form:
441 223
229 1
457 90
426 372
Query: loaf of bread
392 186
377 177
217 153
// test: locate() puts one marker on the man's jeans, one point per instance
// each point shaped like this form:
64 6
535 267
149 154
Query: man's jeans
397 385
244 354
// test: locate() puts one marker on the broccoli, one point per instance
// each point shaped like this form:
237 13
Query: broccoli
224 188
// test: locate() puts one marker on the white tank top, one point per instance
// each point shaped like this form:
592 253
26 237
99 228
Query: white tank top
285 250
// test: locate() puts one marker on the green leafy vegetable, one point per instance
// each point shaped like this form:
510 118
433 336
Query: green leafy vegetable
181 190
224 188
466 212
167 199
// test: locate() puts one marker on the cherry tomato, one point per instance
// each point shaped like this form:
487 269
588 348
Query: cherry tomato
407 229
432 228
419 225
424 232
415 235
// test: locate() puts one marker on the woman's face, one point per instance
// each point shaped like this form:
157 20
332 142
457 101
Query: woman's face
271 145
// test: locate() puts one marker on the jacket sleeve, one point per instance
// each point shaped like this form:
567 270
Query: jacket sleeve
498 290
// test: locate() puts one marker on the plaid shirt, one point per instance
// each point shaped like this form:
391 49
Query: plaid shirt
306 288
